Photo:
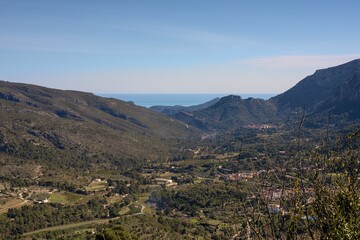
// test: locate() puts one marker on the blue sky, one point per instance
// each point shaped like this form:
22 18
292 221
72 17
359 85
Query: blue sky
187 46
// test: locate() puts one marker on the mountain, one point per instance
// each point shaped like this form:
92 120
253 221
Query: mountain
334 90
328 92
231 112
171 110
78 128
70 126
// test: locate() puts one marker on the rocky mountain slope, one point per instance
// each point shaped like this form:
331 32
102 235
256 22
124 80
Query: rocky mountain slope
334 90
231 112
328 92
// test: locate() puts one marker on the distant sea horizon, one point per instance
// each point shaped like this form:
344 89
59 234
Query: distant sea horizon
171 99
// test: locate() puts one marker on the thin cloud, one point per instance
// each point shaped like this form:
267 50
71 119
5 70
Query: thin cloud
74 44
184 34
301 61
157 38
200 36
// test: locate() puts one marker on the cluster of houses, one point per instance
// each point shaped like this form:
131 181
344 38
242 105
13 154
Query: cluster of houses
274 196
241 175
246 175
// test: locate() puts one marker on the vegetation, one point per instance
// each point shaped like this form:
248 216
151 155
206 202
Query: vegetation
115 233
29 218
262 189
77 166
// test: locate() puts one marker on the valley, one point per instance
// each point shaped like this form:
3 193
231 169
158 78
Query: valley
77 166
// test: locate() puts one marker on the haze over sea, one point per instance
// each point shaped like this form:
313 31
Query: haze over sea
153 99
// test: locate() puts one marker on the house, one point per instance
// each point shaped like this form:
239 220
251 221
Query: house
41 198
167 182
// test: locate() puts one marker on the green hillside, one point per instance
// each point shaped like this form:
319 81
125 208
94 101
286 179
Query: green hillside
78 129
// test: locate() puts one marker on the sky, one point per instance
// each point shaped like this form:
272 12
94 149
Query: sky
169 46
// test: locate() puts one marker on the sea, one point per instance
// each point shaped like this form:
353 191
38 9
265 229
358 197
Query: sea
169 99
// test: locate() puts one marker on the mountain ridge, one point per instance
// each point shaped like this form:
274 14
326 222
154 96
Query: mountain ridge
330 91
137 132
171 110
316 87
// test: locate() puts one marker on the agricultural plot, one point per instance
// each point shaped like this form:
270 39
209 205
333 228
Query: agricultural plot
65 198
96 186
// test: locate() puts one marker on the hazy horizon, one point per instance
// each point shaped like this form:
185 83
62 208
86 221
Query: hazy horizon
177 99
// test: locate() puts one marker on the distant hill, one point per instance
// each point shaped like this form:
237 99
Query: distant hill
171 110
231 112
78 128
328 92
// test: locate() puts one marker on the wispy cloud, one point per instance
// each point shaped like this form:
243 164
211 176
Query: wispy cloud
201 36
52 43
300 61
112 35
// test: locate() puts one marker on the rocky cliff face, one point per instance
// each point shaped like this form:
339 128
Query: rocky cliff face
345 98
314 91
